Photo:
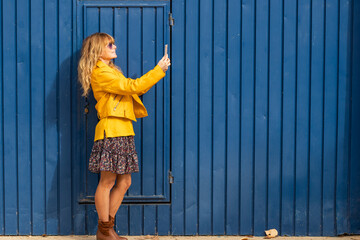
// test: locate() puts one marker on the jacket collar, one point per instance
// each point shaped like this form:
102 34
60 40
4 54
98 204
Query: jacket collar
100 64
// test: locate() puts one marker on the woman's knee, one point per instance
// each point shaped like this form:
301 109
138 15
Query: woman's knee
124 181
107 180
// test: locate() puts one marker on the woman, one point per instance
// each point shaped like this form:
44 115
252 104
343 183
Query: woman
118 104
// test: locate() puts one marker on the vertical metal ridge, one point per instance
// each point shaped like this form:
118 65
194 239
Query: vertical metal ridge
2 115
184 120
170 130
309 123
156 219
240 108
128 218
268 119
44 111
169 114
57 116
323 130
30 123
164 188
212 117
296 113
226 107
164 139
254 125
337 118
198 124
99 16
156 109
282 117
170 122
143 218
113 21
17 118
73 28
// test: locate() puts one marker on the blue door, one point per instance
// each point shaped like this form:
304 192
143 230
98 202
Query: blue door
141 30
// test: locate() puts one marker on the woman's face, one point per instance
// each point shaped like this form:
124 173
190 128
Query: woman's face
109 52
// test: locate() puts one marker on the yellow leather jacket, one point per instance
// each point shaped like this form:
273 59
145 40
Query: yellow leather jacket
118 96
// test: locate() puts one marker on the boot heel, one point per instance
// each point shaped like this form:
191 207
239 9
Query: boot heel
103 232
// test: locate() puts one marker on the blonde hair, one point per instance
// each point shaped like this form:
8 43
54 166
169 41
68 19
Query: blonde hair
91 51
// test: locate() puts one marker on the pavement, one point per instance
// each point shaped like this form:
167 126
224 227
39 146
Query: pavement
148 237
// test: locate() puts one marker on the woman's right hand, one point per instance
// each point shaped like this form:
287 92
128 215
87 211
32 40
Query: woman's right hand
164 63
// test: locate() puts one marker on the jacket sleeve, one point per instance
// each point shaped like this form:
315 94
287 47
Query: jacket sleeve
109 82
145 91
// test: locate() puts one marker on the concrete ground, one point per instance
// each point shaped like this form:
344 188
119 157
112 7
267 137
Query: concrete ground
176 238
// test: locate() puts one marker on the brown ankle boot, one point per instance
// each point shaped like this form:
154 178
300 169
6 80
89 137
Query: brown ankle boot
112 231
103 232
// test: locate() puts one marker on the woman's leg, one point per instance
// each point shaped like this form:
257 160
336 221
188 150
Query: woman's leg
123 182
102 195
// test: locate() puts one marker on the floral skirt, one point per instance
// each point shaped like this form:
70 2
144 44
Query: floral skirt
116 154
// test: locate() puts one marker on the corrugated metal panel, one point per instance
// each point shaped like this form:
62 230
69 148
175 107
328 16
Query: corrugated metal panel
36 117
260 117
264 113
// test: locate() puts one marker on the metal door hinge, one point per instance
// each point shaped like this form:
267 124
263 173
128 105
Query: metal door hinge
171 178
171 20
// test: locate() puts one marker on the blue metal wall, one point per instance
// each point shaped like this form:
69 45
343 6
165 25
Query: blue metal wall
36 122
263 130
264 111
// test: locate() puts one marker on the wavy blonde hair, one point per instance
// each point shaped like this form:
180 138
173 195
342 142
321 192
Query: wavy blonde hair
91 51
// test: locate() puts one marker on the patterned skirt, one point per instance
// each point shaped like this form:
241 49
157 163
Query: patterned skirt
116 154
